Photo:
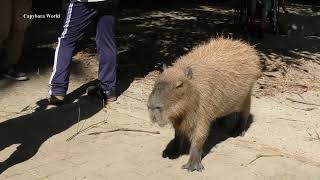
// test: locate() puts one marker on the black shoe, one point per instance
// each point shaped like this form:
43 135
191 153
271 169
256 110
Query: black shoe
55 100
109 96
14 75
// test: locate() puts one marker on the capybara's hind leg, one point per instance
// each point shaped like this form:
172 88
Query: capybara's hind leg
197 141
244 115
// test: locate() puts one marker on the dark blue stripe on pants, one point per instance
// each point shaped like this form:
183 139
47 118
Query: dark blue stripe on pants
79 16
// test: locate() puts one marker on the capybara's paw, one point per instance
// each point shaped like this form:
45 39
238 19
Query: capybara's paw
170 153
192 166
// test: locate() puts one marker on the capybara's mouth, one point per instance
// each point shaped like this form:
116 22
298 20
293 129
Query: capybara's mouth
152 116
156 119
162 123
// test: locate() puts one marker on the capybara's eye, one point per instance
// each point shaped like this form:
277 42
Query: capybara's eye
157 108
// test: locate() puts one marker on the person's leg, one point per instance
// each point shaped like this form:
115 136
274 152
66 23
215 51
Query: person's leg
107 50
12 56
15 40
282 3
252 5
264 18
5 19
78 17
252 11
5 26
266 8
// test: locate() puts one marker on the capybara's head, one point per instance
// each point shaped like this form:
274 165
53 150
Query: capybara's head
170 96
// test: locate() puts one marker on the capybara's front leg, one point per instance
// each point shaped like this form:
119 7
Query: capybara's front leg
197 141
194 162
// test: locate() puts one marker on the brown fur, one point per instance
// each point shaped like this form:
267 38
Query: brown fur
213 80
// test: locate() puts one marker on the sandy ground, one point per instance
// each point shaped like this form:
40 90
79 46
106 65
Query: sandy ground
282 142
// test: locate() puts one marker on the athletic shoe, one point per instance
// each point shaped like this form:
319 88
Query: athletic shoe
55 100
109 96
15 75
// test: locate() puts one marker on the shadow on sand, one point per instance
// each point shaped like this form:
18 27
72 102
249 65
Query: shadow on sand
220 130
32 130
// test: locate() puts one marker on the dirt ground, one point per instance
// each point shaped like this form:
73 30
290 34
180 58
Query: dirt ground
83 140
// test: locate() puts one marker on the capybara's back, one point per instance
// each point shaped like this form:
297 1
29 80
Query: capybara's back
211 81
223 71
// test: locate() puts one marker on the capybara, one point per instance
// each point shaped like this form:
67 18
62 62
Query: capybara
211 81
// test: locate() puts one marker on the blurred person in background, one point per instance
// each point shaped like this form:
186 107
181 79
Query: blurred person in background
266 6
12 29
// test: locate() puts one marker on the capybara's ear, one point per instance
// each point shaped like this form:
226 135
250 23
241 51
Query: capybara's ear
188 72
179 84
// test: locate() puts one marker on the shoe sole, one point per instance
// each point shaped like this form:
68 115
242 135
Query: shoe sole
16 79
93 93
112 99
55 101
